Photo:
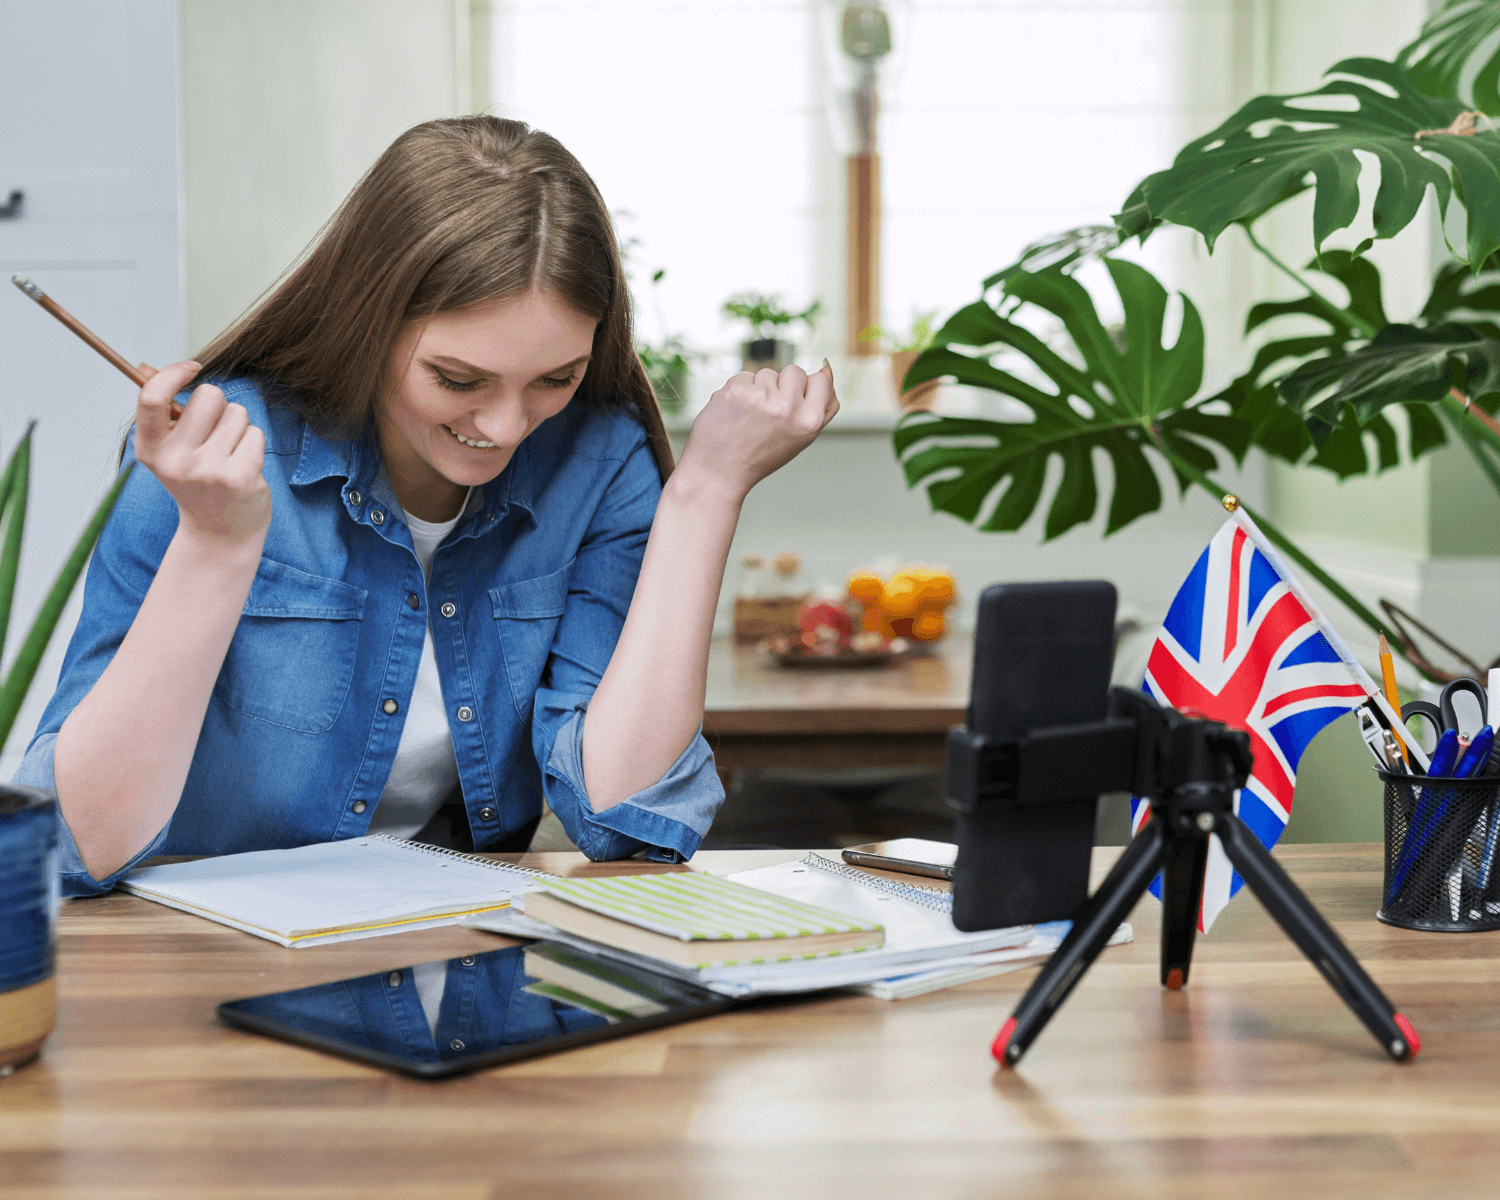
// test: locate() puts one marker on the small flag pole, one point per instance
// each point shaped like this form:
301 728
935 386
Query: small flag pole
1243 519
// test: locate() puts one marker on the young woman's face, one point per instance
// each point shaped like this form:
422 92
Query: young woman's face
467 388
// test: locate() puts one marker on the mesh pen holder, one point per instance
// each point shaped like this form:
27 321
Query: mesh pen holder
1442 853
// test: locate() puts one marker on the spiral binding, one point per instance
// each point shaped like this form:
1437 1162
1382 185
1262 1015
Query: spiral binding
931 898
462 857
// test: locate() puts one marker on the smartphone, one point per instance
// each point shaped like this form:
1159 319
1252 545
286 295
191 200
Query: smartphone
912 856
1042 657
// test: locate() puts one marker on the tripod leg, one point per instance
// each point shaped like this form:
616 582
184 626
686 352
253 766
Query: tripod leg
1181 898
1316 939
1092 928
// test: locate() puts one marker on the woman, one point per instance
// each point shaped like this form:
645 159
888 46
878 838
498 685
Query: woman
407 563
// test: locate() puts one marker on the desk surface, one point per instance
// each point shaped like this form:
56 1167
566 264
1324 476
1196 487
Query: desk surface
748 693
1254 1081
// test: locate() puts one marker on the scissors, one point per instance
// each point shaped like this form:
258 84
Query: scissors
1443 716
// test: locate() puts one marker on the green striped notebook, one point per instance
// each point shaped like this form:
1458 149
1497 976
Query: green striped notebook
698 920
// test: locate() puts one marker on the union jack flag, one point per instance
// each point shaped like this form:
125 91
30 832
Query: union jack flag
1239 645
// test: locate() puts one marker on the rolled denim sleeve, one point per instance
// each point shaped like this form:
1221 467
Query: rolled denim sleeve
669 818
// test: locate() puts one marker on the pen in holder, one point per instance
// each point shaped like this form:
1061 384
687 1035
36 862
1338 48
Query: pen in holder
1442 842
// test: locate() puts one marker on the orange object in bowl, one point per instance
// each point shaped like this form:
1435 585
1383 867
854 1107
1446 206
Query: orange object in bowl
910 604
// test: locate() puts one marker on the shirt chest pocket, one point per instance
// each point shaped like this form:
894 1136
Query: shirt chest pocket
527 613
292 658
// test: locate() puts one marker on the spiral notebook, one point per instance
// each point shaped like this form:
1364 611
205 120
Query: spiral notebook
699 920
922 950
335 891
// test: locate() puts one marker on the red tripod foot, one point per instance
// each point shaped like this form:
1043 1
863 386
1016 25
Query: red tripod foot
1002 1040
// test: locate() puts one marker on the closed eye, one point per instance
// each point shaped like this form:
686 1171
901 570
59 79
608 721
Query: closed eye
454 385
549 382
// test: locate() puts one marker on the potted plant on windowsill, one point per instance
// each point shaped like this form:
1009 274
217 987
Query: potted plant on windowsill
666 362
904 352
28 818
667 369
766 318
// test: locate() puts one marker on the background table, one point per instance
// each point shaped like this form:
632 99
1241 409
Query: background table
758 714
1254 1081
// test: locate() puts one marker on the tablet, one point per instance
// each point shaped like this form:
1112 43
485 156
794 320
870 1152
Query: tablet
460 1014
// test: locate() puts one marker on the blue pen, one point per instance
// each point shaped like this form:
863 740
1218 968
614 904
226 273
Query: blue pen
1431 807
1477 755
1444 754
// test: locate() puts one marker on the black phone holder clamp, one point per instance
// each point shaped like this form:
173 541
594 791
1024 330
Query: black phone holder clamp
1189 770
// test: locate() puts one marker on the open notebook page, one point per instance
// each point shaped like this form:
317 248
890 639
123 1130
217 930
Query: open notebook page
357 887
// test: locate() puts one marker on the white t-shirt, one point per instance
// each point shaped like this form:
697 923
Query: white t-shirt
425 770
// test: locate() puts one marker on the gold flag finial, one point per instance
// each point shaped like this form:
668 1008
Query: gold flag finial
1231 502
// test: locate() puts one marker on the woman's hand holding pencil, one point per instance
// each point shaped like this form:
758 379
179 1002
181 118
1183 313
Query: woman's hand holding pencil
209 460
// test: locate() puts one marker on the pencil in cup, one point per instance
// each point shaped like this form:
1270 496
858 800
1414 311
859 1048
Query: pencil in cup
1435 843
108 352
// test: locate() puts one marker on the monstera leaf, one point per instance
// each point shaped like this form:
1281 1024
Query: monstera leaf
1264 153
1280 429
1065 251
1403 362
1124 401
1446 49
1458 294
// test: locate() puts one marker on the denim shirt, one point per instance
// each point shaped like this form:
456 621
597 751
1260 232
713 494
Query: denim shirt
526 601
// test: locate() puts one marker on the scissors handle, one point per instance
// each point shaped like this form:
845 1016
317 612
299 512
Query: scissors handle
1449 713
1424 711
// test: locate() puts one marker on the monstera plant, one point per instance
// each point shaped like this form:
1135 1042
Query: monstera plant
1318 395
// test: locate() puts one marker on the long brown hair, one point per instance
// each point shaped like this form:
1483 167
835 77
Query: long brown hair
456 212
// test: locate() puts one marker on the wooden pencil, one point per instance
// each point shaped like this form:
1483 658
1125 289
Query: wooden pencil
1388 678
108 352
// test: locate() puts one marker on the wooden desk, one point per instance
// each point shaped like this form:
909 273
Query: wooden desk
760 715
1253 1082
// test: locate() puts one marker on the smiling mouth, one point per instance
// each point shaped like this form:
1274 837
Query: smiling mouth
471 442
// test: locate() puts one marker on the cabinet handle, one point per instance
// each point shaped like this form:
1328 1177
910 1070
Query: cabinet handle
11 209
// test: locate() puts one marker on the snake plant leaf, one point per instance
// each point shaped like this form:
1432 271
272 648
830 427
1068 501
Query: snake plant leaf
29 657
1453 40
13 493
1272 144
1123 401
1402 363
1066 251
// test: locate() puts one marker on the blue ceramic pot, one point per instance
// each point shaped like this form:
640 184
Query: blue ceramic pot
28 922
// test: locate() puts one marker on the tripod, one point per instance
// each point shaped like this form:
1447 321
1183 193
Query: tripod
1191 769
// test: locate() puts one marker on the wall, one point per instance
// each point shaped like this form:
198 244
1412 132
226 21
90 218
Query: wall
90 136
285 104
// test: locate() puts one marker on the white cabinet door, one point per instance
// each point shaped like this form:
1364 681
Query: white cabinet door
89 135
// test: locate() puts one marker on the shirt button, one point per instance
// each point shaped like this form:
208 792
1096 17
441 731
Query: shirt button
467 960
486 813
465 713
359 806
448 610
413 600
394 979
456 1044
378 517
391 707
355 498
